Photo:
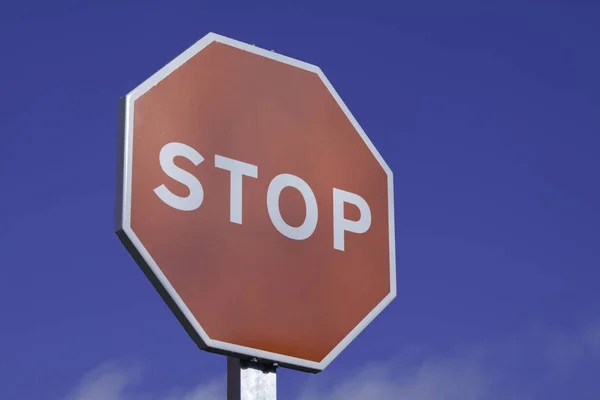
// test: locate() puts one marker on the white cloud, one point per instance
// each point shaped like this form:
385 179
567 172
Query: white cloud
107 382
460 378
110 382
482 374
453 379
210 391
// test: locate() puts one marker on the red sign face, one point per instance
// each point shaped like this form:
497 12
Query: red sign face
256 205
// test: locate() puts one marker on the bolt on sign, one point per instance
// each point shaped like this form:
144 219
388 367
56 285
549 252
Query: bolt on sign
255 204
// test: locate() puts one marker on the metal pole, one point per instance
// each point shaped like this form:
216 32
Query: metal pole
249 380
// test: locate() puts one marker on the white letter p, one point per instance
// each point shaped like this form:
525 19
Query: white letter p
341 224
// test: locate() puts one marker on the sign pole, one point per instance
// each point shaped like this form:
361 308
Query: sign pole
249 380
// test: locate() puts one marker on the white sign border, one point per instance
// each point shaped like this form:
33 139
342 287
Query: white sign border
123 215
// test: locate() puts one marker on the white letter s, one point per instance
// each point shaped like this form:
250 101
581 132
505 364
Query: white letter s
196 196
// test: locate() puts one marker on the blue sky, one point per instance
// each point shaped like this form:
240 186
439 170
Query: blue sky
487 112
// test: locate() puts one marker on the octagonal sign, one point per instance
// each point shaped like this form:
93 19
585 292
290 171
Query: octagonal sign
256 204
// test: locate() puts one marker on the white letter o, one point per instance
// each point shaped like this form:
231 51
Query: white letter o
309 225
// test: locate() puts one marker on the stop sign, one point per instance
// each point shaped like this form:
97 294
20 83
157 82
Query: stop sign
256 204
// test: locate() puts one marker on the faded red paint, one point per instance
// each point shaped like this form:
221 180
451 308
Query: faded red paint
248 284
